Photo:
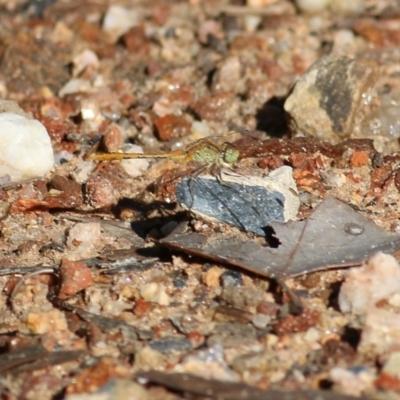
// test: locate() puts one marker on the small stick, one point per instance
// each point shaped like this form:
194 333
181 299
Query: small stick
24 279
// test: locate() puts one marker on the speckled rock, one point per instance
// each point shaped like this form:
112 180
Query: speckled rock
326 99
377 279
381 332
75 276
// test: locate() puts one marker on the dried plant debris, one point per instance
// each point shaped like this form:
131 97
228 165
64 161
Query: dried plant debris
116 261
34 357
193 385
333 236
104 323
115 228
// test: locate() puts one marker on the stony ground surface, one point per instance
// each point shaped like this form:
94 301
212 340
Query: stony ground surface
92 306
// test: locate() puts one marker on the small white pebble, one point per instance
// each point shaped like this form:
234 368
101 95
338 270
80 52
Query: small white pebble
200 129
312 335
155 293
83 171
352 383
87 58
392 365
260 321
83 240
90 110
119 20
75 85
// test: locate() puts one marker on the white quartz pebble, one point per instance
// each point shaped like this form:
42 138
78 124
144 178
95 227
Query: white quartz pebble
155 293
119 20
25 147
84 240
377 279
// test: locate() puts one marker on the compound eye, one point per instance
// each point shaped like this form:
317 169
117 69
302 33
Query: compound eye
230 154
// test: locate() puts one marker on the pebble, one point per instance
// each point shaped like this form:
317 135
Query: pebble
326 99
377 279
359 158
212 276
75 276
25 147
171 126
352 383
229 76
230 334
170 343
179 283
219 107
40 323
312 335
155 293
100 192
231 279
83 240
136 41
242 296
200 129
83 171
297 323
118 20
112 138
381 332
208 363
83 61
260 321
392 365
148 358
75 85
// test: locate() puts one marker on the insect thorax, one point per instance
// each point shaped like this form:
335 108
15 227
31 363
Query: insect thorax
207 153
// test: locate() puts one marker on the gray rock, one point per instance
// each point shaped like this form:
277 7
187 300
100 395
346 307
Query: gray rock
232 335
170 343
325 101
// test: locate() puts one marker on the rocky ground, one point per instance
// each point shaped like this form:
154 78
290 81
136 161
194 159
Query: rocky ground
110 289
